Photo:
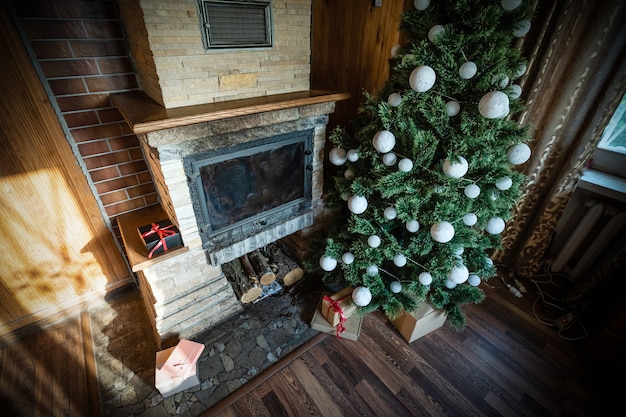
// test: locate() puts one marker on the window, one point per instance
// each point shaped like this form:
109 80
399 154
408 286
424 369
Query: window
610 156
235 24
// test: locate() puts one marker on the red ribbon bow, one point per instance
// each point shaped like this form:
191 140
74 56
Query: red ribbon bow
334 304
162 233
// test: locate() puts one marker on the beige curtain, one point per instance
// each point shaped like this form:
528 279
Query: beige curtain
575 79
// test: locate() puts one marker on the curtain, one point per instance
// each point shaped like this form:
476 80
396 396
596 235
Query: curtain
575 79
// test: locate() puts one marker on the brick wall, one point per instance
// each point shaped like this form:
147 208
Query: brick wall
177 71
81 49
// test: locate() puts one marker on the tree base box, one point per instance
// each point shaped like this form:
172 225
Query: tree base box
177 368
352 325
344 300
419 322
153 234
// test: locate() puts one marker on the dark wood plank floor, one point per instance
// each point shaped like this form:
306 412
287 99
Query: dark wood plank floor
505 362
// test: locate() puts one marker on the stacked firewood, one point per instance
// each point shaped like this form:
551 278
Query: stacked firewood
249 273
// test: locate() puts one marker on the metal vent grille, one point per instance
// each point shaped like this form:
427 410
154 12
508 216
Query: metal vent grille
236 24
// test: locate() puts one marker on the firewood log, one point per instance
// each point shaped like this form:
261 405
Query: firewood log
287 270
246 289
262 267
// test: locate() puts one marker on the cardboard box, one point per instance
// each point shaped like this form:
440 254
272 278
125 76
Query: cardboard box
177 368
344 300
157 236
419 322
352 325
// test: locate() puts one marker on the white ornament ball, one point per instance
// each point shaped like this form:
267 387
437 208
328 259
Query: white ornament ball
422 78
470 219
467 70
357 204
458 251
523 29
501 80
395 287
390 213
458 274
494 105
412 226
352 155
361 296
421 4
521 70
384 141
389 159
372 270
442 232
399 260
405 165
394 99
434 32
453 108
347 258
489 262
504 183
455 169
516 91
345 196
518 154
373 241
472 191
510 4
495 225
425 278
450 284
337 156
473 280
349 174
493 195
327 263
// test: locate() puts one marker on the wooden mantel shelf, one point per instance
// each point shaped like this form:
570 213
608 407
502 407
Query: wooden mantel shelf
144 115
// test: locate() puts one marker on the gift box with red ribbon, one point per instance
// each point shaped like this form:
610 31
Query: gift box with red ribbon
338 307
159 237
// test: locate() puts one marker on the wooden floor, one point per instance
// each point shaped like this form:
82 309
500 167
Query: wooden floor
506 362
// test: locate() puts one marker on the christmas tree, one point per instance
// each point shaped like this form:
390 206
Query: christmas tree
426 176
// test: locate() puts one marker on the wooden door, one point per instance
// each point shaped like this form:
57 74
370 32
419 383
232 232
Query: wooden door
55 248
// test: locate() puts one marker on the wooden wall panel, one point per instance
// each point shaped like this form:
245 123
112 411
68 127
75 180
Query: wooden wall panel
55 246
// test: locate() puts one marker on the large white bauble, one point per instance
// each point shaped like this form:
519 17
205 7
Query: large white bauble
453 108
352 155
518 153
395 287
337 156
472 191
470 219
405 165
390 213
495 225
455 169
390 159
384 141
516 91
458 274
434 32
327 263
523 29
373 241
349 174
394 99
399 260
372 270
345 196
504 183
494 105
425 278
412 226
467 70
347 258
422 78
450 284
357 204
510 4
361 296
473 280
442 232
421 4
